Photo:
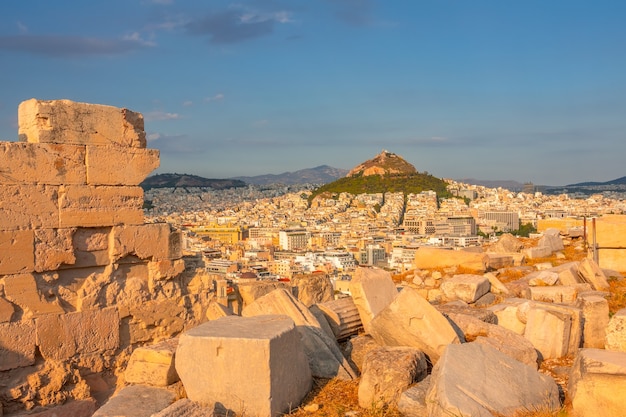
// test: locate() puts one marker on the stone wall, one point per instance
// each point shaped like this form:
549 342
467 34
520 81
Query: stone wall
610 235
82 277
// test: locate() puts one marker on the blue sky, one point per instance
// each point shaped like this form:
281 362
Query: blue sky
504 89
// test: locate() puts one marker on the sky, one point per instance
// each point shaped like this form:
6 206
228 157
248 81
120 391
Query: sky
526 90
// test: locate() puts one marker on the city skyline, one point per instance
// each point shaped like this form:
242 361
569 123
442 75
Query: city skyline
526 91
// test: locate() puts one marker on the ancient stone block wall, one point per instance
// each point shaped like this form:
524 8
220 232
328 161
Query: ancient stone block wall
82 278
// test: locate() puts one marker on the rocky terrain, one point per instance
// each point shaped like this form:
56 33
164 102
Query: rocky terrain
102 315
385 163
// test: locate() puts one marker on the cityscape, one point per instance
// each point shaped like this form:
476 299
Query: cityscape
275 232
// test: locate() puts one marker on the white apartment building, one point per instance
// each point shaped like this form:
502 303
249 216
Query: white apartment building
293 239
504 220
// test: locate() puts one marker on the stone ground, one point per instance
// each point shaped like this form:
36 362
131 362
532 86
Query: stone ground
333 398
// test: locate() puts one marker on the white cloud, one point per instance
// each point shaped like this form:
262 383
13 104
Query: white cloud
153 136
136 37
255 17
217 97
161 115
187 103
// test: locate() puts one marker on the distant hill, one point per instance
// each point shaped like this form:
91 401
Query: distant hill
506 184
385 163
618 181
318 175
387 172
187 180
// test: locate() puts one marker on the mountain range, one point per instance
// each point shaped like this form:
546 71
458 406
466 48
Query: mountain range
187 180
618 181
318 175
384 164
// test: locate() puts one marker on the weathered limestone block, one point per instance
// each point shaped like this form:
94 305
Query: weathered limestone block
497 287
62 336
156 320
65 121
343 317
568 273
17 344
412 321
465 287
565 294
459 307
89 206
91 239
372 290
131 167
153 365
591 273
16 249
146 241
387 372
542 278
91 285
597 383
136 401
433 258
412 402
551 238
325 358
507 315
53 249
321 319
548 331
128 288
42 163
507 243
499 260
187 408
543 266
29 206
498 337
575 314
214 359
538 252
164 270
595 311
476 380
91 246
312 289
357 348
616 332
21 289
251 291
6 311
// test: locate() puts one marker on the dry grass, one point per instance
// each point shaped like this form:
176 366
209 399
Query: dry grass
617 297
403 277
335 398
511 274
